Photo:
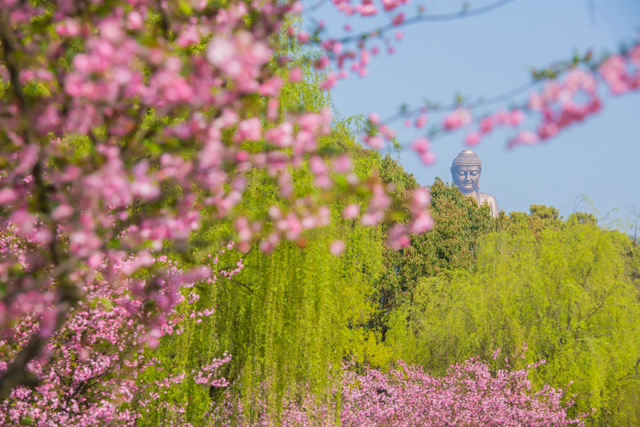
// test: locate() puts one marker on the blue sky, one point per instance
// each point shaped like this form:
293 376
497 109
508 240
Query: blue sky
492 54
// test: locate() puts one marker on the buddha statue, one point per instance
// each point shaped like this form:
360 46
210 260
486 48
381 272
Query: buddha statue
466 170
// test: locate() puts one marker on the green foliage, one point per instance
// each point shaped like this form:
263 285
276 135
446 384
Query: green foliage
459 224
288 319
567 289
302 310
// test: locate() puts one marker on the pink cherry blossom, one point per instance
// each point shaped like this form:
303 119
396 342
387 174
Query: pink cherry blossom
456 119
421 121
248 130
337 247
398 19
374 141
351 211
295 75
473 138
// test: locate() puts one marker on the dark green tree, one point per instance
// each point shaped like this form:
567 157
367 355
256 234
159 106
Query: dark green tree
459 225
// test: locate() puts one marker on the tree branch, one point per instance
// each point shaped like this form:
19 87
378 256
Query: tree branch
480 102
464 13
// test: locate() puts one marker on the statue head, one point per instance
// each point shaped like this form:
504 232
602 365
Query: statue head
465 170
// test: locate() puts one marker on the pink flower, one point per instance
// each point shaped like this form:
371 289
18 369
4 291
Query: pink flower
516 117
8 195
111 30
271 87
389 5
337 247
330 81
428 158
486 125
324 216
220 50
291 225
342 164
322 63
397 237
303 37
524 137
371 218
61 212
272 109
248 130
473 138
281 135
365 57
317 165
614 72
243 230
421 145
547 130
188 37
68 28
456 119
421 223
387 132
536 102
351 211
421 198
134 20
295 75
374 141
367 8
398 19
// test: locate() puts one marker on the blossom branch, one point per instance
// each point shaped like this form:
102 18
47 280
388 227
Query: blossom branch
480 102
464 13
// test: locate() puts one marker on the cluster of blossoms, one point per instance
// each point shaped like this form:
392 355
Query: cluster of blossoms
559 103
120 121
421 222
468 395
89 368
366 7
352 53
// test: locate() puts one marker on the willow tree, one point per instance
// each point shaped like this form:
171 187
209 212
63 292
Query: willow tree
568 289
291 316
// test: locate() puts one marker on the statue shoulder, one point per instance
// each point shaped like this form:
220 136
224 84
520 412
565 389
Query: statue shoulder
486 197
491 201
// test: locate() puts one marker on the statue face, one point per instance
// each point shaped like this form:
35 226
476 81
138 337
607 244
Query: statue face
466 178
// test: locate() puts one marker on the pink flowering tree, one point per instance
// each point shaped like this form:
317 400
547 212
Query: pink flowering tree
94 369
120 122
470 394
